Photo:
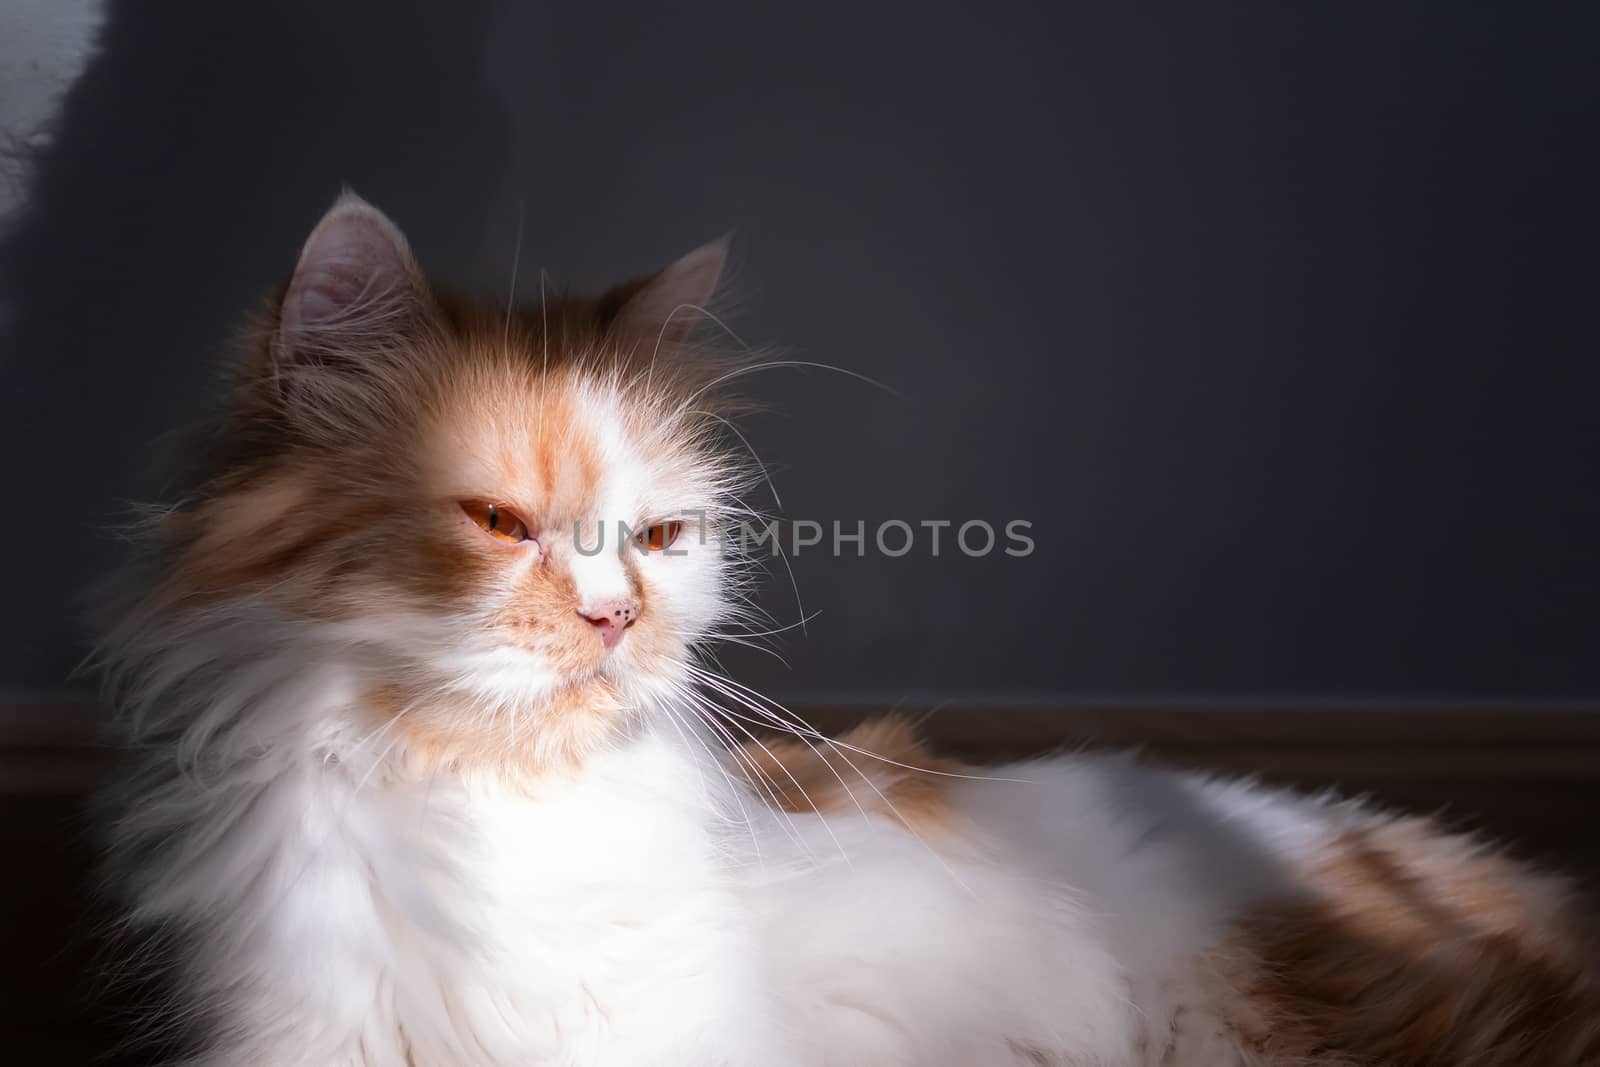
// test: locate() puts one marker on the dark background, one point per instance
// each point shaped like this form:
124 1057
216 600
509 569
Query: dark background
1276 320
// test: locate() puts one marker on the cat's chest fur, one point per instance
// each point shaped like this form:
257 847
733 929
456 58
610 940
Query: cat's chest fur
588 918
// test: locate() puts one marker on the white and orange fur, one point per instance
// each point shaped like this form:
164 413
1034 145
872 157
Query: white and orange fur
405 793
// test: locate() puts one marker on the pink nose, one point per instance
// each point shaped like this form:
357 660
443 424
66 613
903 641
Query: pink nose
611 617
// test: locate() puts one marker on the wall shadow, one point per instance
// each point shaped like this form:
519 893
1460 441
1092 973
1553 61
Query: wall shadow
187 162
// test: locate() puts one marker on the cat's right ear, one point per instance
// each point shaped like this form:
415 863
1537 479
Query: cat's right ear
355 290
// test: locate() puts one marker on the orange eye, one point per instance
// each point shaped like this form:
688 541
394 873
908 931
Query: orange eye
661 535
496 521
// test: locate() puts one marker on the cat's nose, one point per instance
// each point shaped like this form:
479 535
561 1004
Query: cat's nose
611 617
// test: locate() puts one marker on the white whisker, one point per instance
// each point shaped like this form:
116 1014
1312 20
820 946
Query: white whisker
758 776
795 722
516 261
736 751
740 372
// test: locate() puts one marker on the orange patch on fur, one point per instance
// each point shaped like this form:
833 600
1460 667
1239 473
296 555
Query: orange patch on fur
816 778
1418 948
330 493
461 735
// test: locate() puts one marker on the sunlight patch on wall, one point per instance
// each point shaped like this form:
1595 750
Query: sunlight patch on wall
44 45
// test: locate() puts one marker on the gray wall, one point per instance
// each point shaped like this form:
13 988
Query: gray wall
1276 320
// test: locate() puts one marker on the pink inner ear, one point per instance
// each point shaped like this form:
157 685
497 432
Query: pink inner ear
670 304
335 285
355 265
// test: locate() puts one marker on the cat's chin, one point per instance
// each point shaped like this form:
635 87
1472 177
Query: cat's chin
477 727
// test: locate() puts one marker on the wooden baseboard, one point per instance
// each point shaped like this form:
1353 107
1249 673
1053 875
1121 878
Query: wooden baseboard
57 743
57 747
1522 774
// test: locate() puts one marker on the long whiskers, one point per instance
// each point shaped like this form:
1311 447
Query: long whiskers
908 825
709 679
516 261
687 731
788 721
706 710
753 772
662 333
740 372
544 368
748 447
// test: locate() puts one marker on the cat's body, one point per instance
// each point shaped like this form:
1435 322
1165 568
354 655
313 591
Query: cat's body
421 781
614 919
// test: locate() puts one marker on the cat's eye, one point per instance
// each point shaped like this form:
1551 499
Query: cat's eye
659 535
496 520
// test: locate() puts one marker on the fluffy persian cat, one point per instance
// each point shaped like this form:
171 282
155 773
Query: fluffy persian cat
421 778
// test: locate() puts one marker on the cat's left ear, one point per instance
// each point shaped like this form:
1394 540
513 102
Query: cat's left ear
356 286
669 304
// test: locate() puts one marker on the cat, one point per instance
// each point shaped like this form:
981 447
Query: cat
418 775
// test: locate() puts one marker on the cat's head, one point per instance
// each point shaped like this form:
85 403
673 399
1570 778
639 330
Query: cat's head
508 524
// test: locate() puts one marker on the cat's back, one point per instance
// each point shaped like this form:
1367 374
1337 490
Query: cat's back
1029 913
1099 906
